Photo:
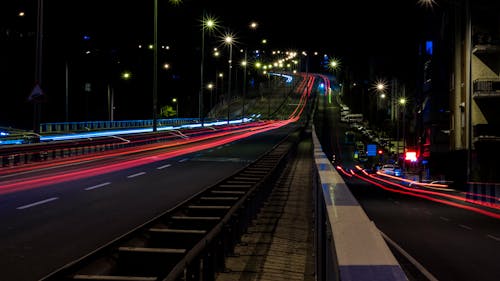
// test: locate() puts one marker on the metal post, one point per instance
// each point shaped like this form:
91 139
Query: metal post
200 95
155 64
244 88
229 82
38 66
404 137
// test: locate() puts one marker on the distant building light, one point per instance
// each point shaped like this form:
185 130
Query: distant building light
411 156
428 47
86 37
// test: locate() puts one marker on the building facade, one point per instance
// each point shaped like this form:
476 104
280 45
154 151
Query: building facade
459 93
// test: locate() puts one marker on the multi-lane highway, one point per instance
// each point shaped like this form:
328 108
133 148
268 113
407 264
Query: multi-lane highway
51 222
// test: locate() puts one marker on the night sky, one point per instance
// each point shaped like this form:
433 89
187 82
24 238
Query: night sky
353 31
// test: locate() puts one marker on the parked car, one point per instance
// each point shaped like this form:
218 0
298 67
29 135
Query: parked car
391 169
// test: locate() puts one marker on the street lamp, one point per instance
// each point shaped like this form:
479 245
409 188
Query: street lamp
209 24
396 102
334 64
155 61
210 87
253 26
38 69
402 102
244 65
220 97
174 100
229 41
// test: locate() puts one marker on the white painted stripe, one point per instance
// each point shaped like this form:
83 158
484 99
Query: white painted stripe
466 227
164 166
97 186
419 266
183 160
37 203
136 175
444 218
494 237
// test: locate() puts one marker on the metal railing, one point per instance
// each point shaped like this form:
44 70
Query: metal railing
61 127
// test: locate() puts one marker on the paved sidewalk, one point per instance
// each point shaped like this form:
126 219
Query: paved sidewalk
279 244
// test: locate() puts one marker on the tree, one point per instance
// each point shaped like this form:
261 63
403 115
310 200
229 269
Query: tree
167 111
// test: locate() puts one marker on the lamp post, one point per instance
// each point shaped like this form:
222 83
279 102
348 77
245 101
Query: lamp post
38 70
402 102
253 26
210 86
207 23
229 41
334 65
220 97
155 65
174 100
244 65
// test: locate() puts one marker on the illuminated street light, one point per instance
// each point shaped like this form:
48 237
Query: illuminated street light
229 41
210 86
208 23
402 102
174 100
253 26
426 3
244 65
221 76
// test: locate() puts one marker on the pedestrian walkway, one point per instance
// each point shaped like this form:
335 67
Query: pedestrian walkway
279 244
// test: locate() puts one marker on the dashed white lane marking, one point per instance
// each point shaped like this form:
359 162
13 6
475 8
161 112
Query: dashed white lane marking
466 227
183 160
444 218
494 237
136 175
164 166
98 185
37 203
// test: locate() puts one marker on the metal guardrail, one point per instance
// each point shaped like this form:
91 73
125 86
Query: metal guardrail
39 152
57 127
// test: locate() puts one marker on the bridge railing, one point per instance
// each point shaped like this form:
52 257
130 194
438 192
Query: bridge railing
348 244
61 127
